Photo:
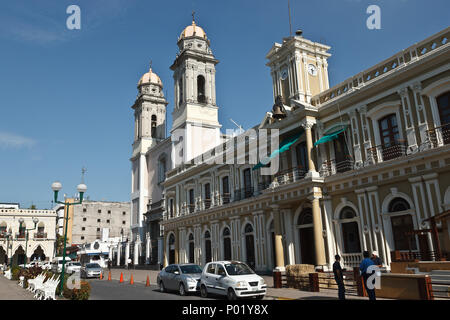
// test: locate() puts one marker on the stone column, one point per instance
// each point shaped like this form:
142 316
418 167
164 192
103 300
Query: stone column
127 252
279 253
177 245
147 248
118 253
137 243
307 125
319 246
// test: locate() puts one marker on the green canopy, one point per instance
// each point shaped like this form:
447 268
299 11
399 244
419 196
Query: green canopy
284 146
329 137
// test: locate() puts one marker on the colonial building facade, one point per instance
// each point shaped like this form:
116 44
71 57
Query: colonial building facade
362 165
13 235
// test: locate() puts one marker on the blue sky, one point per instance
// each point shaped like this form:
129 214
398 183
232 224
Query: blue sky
65 95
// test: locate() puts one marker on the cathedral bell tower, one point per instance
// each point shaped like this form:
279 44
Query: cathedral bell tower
149 129
195 115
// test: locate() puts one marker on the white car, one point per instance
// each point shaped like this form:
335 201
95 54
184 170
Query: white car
46 266
233 279
73 267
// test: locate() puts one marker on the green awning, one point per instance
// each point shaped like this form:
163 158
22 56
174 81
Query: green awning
284 146
329 137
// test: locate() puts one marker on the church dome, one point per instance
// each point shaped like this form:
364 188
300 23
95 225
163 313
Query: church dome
150 77
192 31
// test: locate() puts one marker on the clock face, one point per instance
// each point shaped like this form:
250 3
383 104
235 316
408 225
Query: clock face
284 74
312 69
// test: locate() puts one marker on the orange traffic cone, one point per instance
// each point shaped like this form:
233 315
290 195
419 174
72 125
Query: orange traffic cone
101 275
147 284
109 276
121 277
131 279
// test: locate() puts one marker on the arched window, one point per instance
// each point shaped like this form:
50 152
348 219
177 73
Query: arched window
305 217
191 248
207 247
3 228
402 225
226 244
350 231
398 204
153 133
180 91
41 231
443 102
162 168
201 89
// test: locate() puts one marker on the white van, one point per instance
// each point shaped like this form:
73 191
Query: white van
57 263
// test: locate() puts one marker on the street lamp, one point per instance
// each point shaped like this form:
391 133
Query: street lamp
81 188
21 221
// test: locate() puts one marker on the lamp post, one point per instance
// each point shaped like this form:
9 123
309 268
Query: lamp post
9 236
21 221
81 188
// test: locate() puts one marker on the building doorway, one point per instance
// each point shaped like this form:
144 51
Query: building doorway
306 236
226 244
249 246
191 248
208 256
171 249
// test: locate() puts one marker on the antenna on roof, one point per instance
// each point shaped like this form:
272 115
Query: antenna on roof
290 23
83 172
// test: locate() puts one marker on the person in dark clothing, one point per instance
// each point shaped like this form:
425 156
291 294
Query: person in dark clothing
366 263
109 264
339 277
376 259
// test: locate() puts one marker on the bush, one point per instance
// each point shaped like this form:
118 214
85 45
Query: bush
29 273
15 273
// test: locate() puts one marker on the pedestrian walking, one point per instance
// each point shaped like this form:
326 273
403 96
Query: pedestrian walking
129 263
109 264
366 263
339 277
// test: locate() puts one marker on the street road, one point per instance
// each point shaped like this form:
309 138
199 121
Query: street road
114 290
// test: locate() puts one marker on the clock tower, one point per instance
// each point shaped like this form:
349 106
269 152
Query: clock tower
299 68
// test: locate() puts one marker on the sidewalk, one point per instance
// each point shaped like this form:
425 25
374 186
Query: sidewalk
9 290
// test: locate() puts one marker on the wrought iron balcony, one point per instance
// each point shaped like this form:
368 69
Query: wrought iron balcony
226 198
439 136
243 193
207 203
330 167
385 152
191 208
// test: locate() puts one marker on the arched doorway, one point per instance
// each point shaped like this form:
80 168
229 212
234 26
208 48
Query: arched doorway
208 256
402 225
306 236
272 242
226 244
19 256
171 249
38 254
3 257
350 231
249 245
191 248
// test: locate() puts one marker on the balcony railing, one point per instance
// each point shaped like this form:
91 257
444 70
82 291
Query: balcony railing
226 198
191 208
290 175
408 256
243 193
40 235
439 136
352 260
20 235
207 203
385 152
330 167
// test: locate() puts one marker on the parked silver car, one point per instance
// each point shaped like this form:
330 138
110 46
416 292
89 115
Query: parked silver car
91 270
184 278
